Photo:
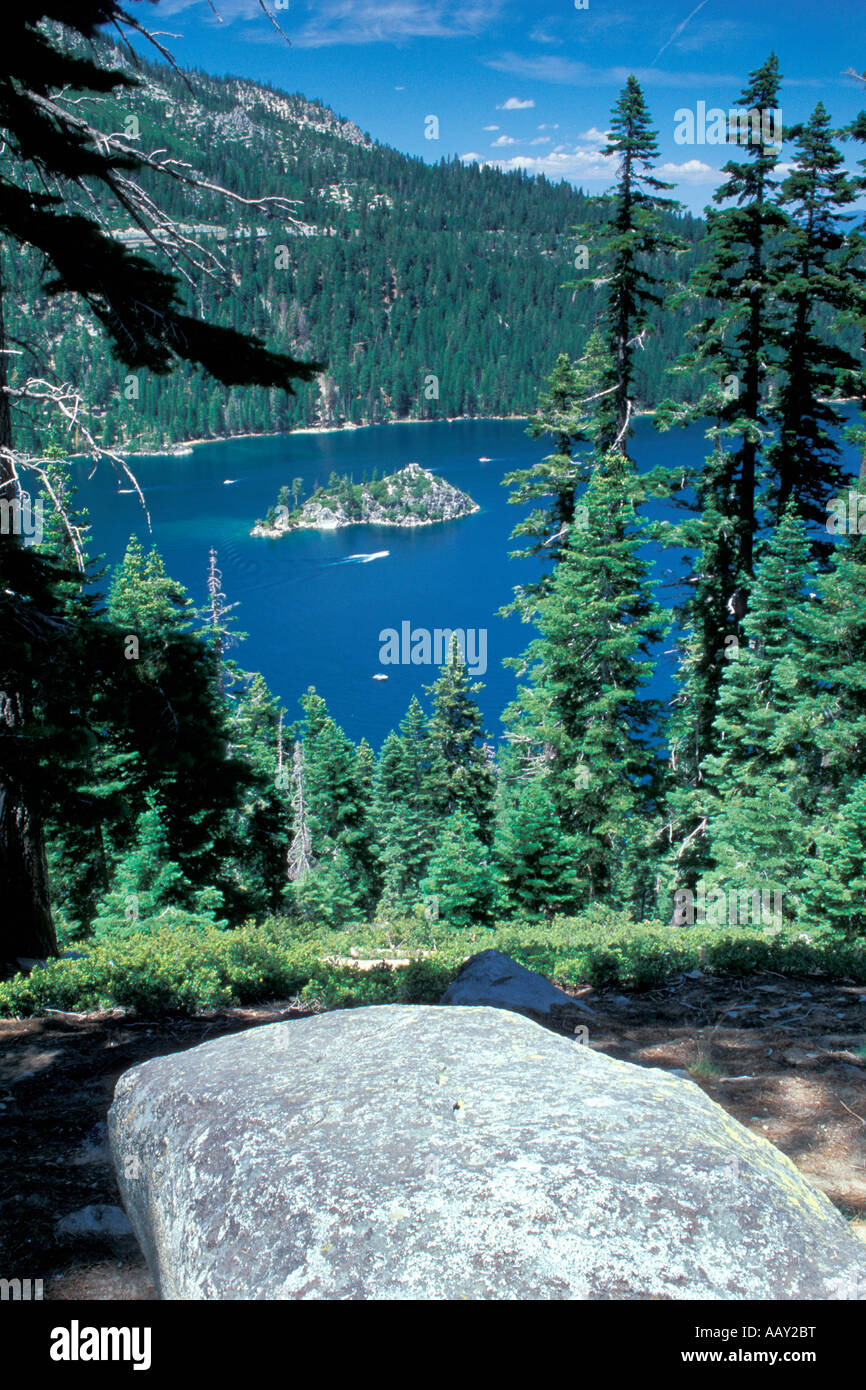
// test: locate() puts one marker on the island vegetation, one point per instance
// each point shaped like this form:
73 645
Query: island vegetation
413 496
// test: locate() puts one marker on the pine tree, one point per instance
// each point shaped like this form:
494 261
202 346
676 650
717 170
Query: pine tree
583 711
461 777
623 255
708 636
300 859
537 859
562 415
819 277
149 889
830 648
219 623
336 810
260 826
736 341
735 337
833 892
365 765
461 877
332 895
166 711
766 773
402 813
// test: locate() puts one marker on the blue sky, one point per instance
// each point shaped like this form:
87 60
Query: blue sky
529 85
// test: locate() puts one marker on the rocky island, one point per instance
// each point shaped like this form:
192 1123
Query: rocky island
410 497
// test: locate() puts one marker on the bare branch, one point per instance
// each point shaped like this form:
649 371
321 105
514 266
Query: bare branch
68 402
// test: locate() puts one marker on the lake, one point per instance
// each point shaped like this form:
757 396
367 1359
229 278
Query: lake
313 603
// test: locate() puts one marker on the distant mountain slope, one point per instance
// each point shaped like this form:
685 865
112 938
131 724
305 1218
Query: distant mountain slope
430 290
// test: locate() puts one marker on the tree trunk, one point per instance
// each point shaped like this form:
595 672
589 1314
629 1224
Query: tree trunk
26 925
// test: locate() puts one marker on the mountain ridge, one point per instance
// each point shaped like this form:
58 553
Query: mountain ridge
432 291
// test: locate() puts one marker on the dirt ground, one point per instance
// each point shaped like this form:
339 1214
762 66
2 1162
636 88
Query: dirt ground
785 1057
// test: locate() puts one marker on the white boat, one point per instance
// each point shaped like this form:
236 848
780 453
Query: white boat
380 677
484 459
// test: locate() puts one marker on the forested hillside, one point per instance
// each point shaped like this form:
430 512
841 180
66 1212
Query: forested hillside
429 291
164 791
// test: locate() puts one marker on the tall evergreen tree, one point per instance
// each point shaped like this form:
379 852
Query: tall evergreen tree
336 805
736 341
461 776
260 826
461 877
402 813
625 255
819 281
833 887
584 709
167 713
735 337
560 415
766 773
537 859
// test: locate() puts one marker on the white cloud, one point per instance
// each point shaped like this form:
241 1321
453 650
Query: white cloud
551 68
587 166
490 127
593 136
540 140
471 158
503 140
516 104
577 166
547 125
541 35
692 171
355 21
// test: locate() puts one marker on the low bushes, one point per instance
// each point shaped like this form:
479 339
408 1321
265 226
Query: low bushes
188 969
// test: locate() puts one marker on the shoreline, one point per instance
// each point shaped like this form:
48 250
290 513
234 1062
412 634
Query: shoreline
183 448
273 535
180 450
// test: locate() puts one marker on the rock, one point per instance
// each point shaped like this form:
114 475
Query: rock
413 496
95 1220
27 964
417 1152
95 1147
495 979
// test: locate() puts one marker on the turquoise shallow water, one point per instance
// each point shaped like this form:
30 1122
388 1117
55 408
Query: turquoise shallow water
312 607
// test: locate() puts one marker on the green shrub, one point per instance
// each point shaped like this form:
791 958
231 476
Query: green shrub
187 964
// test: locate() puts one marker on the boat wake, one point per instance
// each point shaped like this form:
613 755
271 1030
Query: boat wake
364 559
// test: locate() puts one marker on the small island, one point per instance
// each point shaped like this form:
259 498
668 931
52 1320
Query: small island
410 497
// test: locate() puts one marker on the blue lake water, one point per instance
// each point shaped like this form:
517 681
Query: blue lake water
313 610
